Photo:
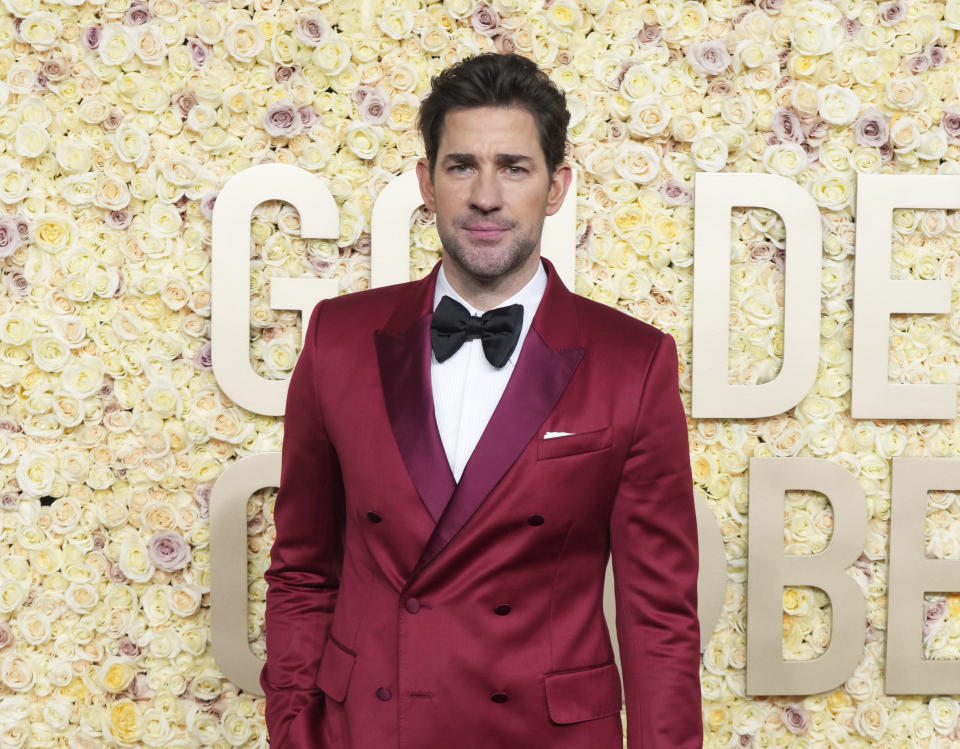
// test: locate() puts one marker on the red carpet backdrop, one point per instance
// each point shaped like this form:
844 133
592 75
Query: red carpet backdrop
121 121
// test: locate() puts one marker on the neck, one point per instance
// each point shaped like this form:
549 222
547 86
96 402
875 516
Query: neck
485 294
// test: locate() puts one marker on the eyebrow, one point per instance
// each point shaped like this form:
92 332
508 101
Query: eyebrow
501 158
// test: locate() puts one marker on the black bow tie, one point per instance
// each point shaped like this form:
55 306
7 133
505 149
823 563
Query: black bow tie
498 330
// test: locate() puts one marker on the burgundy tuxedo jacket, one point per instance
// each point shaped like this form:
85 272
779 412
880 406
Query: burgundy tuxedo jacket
408 611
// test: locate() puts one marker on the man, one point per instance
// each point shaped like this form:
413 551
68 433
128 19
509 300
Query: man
446 512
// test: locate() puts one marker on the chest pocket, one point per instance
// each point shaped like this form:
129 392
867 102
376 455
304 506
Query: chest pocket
574 444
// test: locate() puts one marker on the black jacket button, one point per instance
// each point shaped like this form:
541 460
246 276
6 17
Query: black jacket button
384 694
535 519
503 609
374 517
499 697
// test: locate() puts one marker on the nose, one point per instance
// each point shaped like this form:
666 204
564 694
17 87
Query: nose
485 195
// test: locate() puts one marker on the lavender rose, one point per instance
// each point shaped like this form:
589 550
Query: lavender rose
91 36
198 51
311 29
850 27
201 495
115 574
892 12
872 128
118 219
168 551
770 6
127 647
485 20
140 688
786 125
374 105
950 122
937 55
504 43
6 634
10 238
307 116
202 359
206 204
137 14
918 63
281 119
934 612
55 68
113 120
708 58
649 35
675 192
795 719
284 73
17 284
183 102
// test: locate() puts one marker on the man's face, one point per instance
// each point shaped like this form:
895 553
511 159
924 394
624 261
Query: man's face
491 190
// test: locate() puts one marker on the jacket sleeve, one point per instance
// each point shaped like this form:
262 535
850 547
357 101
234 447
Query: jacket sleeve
655 563
306 559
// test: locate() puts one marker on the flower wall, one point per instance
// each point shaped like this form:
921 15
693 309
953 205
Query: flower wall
119 123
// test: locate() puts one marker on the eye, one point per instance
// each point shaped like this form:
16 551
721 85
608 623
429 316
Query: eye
459 168
516 170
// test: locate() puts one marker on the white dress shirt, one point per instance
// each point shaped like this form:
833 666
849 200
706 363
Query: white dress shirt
466 387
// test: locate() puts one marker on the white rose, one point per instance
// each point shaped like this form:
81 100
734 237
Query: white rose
132 143
904 134
832 191
709 152
73 156
636 162
244 40
814 38
116 44
397 23
648 118
150 46
78 189
332 55
41 30
944 712
785 159
134 561
50 352
640 84
364 140
932 144
838 105
31 140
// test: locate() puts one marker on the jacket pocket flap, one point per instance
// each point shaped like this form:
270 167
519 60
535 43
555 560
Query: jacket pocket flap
572 444
584 694
336 666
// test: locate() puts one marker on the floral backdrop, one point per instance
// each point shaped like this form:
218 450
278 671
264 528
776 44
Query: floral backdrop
119 123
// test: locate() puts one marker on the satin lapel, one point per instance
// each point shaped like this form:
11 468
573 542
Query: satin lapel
403 354
541 375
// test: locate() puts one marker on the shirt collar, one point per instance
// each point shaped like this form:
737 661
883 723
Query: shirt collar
529 296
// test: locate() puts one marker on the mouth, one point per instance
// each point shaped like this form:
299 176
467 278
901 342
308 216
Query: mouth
485 231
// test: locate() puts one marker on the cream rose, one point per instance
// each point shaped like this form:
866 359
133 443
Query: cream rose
41 30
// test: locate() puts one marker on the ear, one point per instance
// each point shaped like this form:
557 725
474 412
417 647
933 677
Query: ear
426 184
559 183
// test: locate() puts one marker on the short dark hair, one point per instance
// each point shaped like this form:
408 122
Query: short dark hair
496 80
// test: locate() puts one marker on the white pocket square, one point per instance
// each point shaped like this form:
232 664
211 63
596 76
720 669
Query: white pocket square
551 435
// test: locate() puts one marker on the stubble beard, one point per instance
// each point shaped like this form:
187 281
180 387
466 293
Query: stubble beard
483 264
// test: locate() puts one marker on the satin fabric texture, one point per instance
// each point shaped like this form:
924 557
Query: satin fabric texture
409 611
